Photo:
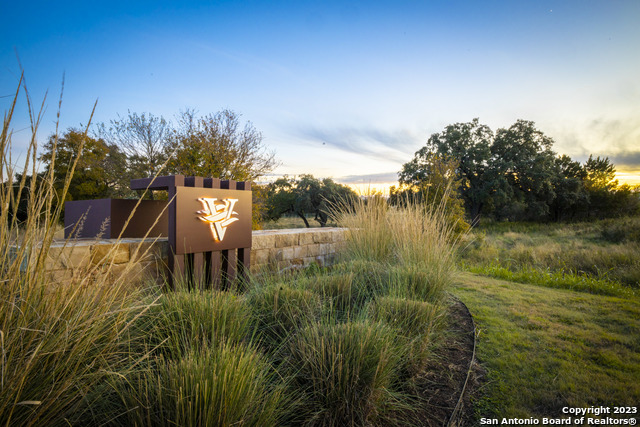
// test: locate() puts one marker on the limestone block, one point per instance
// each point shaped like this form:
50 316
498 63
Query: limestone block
313 250
263 241
72 256
284 254
326 248
133 272
116 253
260 256
285 240
262 269
59 276
150 250
273 255
289 264
323 236
306 237
300 251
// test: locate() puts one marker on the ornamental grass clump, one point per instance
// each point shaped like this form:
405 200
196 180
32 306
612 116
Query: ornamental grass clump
419 283
416 323
225 385
411 318
369 237
185 320
280 310
57 343
340 291
415 238
347 372
369 276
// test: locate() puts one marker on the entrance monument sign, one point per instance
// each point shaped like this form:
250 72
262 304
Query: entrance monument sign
212 219
207 222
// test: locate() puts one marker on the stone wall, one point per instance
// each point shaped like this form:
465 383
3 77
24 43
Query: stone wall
105 257
271 250
283 249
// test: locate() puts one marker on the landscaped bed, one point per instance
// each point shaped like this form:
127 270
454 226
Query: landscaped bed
372 340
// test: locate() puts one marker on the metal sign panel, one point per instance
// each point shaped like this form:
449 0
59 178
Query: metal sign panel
212 219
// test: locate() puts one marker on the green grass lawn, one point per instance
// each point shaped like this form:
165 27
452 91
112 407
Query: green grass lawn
544 348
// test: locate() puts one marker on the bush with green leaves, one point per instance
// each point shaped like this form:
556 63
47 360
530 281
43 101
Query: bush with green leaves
621 230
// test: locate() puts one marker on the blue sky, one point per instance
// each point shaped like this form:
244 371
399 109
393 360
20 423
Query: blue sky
346 89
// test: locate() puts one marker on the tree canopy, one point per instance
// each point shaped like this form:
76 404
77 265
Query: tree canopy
144 138
514 174
92 178
219 145
142 145
306 195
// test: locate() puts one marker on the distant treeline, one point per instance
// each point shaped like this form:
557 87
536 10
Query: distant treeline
513 174
101 163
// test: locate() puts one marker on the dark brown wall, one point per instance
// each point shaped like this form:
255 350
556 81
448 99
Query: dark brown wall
110 215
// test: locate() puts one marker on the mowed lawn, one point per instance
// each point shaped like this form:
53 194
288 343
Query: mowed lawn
544 349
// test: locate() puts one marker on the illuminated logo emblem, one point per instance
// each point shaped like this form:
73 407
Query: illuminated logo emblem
218 215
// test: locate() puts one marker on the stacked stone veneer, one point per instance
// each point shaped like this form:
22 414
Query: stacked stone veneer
297 247
96 257
271 250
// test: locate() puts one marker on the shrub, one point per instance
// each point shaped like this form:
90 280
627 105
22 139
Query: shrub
621 230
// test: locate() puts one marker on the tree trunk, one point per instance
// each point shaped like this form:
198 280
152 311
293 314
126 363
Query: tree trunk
301 215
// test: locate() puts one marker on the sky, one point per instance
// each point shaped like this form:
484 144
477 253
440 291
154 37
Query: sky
342 89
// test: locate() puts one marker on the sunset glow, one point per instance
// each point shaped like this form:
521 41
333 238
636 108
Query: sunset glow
631 178
339 89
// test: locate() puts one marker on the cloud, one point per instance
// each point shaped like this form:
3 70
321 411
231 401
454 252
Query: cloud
374 178
618 134
396 146
626 160
615 138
